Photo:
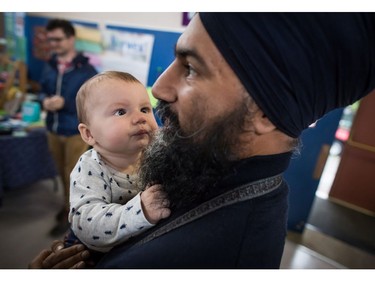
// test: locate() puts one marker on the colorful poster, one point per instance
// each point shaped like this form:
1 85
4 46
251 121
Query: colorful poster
10 34
15 35
127 51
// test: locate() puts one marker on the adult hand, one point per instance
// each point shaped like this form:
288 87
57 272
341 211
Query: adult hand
57 102
59 257
53 103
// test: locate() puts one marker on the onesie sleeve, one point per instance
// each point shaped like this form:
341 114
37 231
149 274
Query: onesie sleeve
97 222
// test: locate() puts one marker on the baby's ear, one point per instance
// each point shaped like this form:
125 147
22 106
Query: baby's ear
86 134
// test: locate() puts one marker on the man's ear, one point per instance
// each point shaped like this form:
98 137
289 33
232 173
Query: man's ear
262 124
86 134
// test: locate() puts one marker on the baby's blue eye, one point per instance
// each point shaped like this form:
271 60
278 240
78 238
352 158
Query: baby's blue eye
120 112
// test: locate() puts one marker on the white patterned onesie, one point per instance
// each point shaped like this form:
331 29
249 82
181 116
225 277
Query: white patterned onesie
105 205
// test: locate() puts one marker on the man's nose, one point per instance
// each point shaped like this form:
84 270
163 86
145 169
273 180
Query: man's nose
164 87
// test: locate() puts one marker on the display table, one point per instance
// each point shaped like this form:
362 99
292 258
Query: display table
24 160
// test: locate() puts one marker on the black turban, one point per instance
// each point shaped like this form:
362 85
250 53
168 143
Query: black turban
298 66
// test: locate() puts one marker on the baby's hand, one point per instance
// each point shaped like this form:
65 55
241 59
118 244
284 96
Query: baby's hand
155 204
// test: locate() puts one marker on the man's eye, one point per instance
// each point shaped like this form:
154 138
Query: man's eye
120 112
189 70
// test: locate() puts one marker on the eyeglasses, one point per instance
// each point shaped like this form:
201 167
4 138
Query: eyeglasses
56 39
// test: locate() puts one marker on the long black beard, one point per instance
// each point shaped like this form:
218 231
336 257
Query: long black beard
190 165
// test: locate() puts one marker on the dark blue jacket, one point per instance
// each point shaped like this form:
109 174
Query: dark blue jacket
64 122
247 234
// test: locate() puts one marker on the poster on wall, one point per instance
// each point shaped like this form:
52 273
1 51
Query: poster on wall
127 51
15 35
89 41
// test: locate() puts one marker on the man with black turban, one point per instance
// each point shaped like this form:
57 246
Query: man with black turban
242 88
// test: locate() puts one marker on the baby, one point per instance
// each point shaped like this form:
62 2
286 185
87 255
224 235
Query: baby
117 121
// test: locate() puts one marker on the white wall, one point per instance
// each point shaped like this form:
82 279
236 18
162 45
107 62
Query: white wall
165 21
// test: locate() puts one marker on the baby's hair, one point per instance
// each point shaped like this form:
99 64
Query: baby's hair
85 89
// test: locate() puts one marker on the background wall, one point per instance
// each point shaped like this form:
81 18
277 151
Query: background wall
171 21
166 27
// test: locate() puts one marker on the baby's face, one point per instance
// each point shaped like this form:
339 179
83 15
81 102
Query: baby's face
121 117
